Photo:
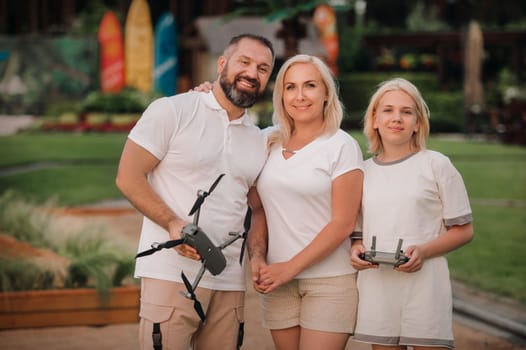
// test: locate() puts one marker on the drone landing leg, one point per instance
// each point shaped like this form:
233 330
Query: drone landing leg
199 276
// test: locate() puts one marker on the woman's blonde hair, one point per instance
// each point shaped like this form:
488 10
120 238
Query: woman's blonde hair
333 111
374 140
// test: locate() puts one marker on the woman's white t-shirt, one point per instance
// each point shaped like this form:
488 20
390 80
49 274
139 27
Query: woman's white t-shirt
296 195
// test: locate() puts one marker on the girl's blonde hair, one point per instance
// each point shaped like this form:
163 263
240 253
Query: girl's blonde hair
333 111
419 138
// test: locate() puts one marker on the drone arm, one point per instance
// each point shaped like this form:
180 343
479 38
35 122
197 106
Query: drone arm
235 237
199 276
398 248
158 246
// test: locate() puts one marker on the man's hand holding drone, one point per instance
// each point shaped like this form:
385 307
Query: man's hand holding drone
175 230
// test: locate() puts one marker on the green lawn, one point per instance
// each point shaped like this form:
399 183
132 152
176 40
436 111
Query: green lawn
71 168
80 169
30 148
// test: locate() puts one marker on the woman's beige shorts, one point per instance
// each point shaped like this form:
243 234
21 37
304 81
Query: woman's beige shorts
323 304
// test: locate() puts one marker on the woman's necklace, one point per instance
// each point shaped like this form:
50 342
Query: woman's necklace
288 150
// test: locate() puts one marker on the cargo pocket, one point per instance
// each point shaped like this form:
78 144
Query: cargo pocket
156 313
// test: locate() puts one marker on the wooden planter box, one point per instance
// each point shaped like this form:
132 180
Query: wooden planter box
68 307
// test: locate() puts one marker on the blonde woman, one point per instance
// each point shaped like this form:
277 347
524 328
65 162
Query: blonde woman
310 189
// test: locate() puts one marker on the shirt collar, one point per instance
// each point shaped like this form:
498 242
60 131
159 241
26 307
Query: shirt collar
211 102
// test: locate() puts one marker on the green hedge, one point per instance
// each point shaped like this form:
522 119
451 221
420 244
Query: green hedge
447 113
446 107
129 100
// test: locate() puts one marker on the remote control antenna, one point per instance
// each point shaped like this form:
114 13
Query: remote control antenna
399 248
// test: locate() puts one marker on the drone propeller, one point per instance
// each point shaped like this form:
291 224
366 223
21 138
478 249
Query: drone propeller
201 195
191 295
246 226
158 246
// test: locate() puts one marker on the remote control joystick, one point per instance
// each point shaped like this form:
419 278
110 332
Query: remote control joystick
375 257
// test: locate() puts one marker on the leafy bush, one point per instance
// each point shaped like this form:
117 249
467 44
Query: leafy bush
21 220
24 275
447 113
94 260
59 107
129 100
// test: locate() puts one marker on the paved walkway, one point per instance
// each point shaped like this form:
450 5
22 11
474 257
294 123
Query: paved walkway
11 124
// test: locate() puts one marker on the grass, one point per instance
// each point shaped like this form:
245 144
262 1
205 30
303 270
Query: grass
496 184
495 176
49 147
68 184
493 261
73 168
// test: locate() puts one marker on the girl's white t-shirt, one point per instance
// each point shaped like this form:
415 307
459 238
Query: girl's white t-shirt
413 199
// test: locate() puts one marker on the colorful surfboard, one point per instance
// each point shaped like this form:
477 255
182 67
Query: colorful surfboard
165 55
324 19
138 46
111 50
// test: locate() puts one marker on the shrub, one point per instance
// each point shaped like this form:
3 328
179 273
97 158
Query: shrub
129 100
16 275
447 113
21 219
95 261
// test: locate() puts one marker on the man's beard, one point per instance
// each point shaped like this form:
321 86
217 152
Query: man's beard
239 98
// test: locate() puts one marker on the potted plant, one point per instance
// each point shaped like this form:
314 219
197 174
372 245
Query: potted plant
99 111
114 111
55 278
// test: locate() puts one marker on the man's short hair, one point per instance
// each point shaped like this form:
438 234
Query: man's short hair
256 37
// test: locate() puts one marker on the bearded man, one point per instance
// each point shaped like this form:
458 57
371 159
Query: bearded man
180 145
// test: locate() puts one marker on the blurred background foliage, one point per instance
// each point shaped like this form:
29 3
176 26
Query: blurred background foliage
65 78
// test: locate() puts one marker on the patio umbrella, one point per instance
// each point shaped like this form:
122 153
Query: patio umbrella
473 54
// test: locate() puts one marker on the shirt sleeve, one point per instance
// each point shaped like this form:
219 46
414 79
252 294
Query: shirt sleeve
452 191
156 127
347 157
